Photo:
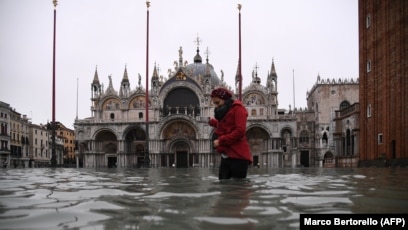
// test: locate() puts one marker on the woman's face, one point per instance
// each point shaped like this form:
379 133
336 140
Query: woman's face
218 102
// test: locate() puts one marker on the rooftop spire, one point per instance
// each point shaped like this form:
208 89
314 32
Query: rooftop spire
125 75
96 78
273 71
155 74
125 85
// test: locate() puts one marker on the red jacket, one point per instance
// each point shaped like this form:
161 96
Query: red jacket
231 131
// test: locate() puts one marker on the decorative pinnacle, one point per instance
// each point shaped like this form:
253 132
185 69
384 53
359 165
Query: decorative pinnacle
239 7
256 67
197 41
54 2
207 52
147 4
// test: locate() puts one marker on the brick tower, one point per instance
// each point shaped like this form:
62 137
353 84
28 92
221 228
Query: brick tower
383 56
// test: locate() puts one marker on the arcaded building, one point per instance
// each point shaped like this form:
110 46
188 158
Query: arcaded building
178 135
383 55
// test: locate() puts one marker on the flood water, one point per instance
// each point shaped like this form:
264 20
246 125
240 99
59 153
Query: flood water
172 198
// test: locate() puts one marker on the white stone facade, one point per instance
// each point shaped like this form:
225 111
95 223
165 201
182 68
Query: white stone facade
40 154
325 99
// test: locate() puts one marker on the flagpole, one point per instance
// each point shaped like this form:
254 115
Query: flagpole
77 100
53 154
240 58
146 157
293 82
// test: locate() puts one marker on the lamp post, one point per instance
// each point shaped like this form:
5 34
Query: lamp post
53 154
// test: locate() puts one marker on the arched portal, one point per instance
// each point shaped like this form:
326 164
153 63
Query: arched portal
328 161
258 142
106 142
179 135
181 150
134 147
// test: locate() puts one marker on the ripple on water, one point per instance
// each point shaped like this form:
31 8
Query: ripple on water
226 220
191 195
52 218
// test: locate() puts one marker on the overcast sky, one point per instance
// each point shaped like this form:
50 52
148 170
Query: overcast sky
310 37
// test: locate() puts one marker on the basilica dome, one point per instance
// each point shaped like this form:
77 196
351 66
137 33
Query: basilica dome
198 70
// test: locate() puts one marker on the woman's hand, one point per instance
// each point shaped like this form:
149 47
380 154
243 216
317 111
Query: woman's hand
216 143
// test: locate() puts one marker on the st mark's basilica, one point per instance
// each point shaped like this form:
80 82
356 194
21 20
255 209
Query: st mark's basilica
178 111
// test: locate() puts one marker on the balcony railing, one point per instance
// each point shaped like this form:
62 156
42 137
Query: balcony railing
347 111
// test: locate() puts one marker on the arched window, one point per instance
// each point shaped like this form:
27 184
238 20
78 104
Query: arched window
140 116
344 105
179 99
325 139
112 116
253 112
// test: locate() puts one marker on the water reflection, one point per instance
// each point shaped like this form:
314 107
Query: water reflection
228 210
170 198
